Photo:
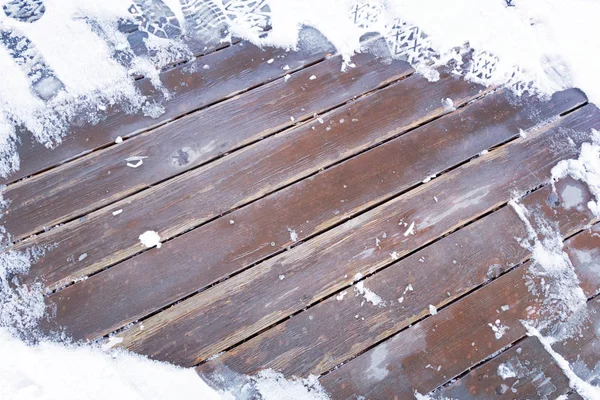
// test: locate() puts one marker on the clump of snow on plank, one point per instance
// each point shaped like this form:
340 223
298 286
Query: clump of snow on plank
368 294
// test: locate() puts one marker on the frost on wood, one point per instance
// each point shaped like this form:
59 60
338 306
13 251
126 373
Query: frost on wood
583 388
551 278
21 306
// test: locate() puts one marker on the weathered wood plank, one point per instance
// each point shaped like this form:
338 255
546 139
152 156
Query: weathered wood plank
89 308
234 310
455 339
232 70
193 198
535 372
103 177
328 334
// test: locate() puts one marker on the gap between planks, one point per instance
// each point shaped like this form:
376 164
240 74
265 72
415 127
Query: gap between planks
538 138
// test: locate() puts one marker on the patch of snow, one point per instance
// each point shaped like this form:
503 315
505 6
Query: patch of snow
552 278
51 370
498 329
368 295
340 296
410 230
150 239
135 161
506 371
293 235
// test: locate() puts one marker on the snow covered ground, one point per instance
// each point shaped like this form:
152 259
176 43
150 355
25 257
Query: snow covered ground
539 46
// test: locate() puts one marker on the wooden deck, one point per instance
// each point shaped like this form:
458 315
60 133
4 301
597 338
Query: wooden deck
277 197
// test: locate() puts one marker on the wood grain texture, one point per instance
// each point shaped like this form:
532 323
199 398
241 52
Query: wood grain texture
193 198
89 308
232 70
104 177
335 330
536 373
234 310
455 339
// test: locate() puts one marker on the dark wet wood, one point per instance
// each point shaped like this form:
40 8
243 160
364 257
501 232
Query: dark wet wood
104 177
191 199
89 308
232 70
536 373
439 273
455 339
236 309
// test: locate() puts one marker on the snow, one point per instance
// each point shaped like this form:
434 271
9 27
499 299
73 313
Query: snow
150 239
368 295
506 371
410 230
498 328
51 370
585 168
552 278
583 388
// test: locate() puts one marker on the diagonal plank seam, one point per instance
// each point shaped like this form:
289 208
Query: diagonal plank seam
539 126
440 308
300 122
497 354
173 119
304 240
314 301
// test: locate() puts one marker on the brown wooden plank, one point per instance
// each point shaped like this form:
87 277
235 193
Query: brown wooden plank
455 339
234 310
232 70
536 373
447 269
104 177
174 207
89 308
